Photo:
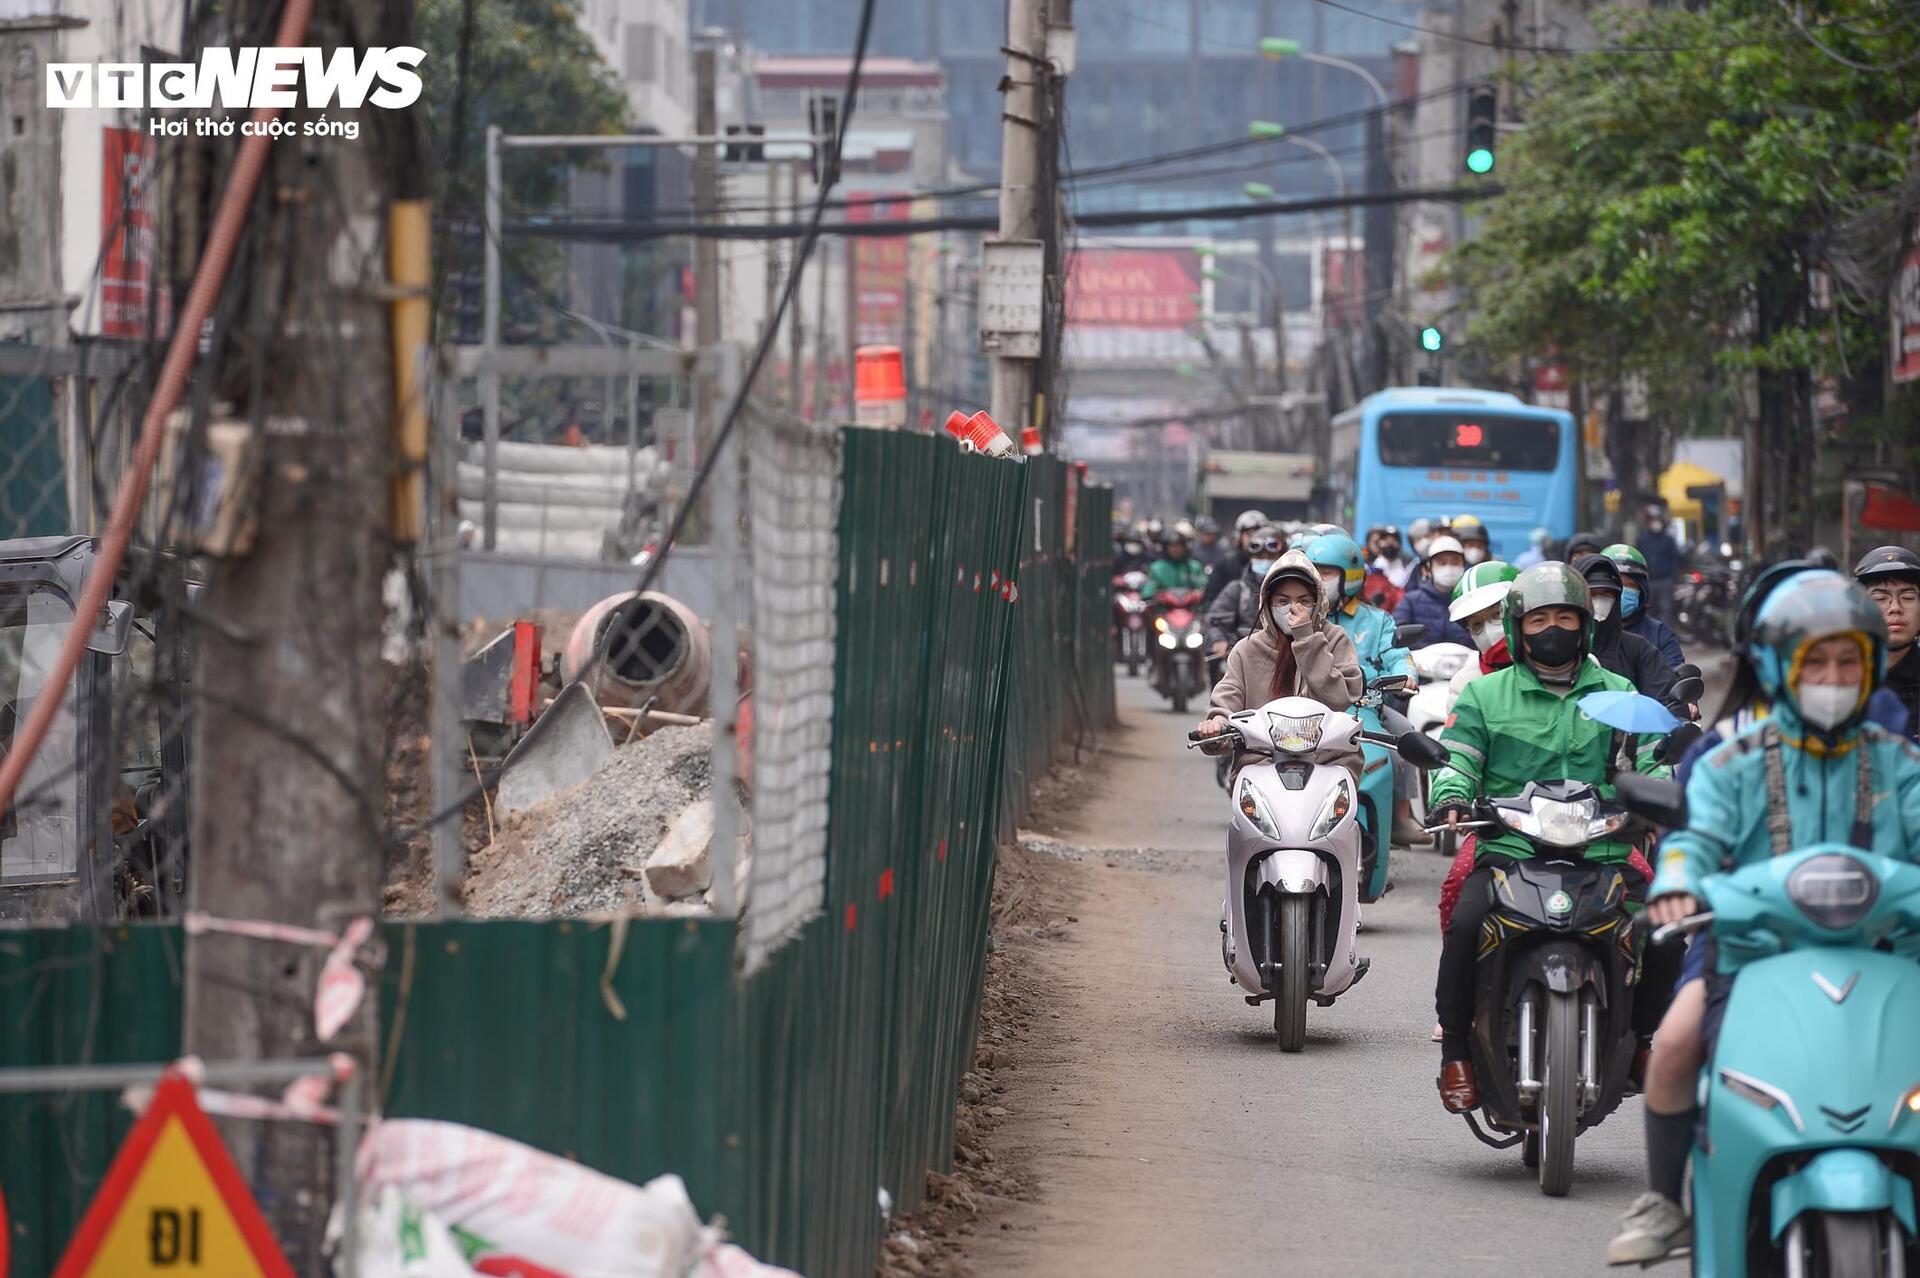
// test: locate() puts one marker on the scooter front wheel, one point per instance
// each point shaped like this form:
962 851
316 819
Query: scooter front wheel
1560 1064
1849 1244
1290 979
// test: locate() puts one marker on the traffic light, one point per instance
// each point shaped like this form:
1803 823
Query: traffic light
748 152
1483 105
1432 339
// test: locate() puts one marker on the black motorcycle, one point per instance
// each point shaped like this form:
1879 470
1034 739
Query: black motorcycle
1553 1037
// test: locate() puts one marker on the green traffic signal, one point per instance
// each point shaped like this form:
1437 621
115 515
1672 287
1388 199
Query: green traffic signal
1431 339
1480 160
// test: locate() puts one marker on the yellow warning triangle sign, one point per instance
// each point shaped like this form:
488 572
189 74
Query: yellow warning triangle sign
173 1203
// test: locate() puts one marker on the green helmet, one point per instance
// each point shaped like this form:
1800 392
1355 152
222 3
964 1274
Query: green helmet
1548 585
1630 561
1480 588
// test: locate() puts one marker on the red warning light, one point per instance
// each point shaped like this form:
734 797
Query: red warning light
1468 435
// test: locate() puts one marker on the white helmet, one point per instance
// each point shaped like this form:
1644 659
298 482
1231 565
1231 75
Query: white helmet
1444 544
1249 520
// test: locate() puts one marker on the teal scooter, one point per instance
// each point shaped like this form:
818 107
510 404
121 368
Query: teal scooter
1811 1150
1376 792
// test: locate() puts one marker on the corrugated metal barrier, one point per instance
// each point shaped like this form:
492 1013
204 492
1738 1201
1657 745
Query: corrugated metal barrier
971 645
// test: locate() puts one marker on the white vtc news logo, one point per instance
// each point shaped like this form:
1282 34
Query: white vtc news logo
243 78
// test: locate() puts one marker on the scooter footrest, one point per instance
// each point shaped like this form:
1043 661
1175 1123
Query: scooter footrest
1496 1142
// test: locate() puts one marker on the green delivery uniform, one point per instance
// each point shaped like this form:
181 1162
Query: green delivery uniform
1508 728
1174 574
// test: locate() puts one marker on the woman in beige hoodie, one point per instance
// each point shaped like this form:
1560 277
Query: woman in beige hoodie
1295 652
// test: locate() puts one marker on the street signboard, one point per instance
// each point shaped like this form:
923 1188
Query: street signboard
173 1203
1012 285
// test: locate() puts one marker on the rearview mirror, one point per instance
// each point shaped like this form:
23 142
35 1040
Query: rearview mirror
1688 691
109 637
1389 683
1421 750
1655 799
1409 634
1688 671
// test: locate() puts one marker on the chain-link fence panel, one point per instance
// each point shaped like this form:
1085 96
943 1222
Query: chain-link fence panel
793 486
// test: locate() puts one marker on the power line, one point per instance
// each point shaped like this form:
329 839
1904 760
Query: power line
625 231
1509 47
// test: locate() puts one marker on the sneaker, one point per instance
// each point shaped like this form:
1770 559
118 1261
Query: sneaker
1652 1227
1409 832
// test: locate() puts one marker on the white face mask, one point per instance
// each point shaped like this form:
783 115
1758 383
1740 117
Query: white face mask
1826 705
1487 634
1475 555
1447 576
1330 591
1260 567
1602 607
1279 612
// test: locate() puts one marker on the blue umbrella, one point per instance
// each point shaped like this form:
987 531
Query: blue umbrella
1628 712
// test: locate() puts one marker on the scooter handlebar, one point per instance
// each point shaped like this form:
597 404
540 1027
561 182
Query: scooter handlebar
1685 927
1443 827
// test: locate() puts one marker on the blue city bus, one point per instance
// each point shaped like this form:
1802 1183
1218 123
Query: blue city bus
1440 451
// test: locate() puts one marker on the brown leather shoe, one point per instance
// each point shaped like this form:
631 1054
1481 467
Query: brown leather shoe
1458 1091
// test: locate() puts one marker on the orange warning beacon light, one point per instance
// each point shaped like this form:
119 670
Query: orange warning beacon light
879 387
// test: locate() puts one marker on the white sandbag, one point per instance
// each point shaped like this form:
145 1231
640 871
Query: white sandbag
398 1240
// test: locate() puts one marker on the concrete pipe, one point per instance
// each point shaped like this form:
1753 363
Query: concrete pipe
655 647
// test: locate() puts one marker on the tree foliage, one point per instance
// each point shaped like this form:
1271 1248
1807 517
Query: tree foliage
1719 206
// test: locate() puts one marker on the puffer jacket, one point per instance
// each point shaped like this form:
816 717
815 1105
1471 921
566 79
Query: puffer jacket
1425 604
1727 802
1372 632
1235 611
1658 633
1327 668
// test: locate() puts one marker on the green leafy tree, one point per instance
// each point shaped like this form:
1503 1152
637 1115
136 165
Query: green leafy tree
1708 213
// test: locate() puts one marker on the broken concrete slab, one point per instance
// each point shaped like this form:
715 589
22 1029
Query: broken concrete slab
563 749
682 863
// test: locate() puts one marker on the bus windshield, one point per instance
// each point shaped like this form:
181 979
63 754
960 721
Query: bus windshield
39 832
1468 441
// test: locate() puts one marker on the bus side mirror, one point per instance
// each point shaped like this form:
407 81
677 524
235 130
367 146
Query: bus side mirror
109 637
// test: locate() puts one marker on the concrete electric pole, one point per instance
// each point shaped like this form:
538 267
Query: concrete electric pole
1013 274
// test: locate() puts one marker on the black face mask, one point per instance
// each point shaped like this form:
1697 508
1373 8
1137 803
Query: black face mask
1554 646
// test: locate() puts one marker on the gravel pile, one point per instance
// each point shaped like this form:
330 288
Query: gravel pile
581 852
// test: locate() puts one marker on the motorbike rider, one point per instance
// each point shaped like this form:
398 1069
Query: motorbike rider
1536 551
1891 578
1175 569
1388 569
1426 599
1235 611
1207 546
1342 574
1627 655
1472 536
1420 534
1813 770
1518 725
1635 595
1294 651
1584 543
1228 570
1130 554
1664 559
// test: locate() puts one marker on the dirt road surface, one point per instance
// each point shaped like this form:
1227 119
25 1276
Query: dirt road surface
1164 1132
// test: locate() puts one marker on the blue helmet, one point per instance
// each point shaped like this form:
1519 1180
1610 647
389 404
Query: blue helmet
1337 550
1811 605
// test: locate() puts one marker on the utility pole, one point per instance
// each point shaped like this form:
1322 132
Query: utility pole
288 814
1011 403
797 338
706 202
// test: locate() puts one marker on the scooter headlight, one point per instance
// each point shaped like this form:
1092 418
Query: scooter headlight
1160 624
1834 891
1167 640
1194 640
1255 811
1296 734
1562 823
1333 808
1908 1104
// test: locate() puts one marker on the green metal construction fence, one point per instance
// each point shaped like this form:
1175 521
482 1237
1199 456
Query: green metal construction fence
972 645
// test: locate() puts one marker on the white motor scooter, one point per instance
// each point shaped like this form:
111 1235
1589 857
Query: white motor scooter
1293 855
1437 664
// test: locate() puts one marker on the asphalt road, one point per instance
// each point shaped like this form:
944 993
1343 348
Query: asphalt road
1165 1132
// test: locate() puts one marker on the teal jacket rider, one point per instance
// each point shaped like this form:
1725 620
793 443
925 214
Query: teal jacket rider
1727 799
1373 634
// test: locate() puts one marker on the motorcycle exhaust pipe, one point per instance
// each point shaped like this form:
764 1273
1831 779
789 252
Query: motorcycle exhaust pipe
1528 1085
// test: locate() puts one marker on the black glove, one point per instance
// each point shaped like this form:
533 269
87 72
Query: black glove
1438 815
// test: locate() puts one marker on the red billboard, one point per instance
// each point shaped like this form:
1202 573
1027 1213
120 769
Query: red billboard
1132 288
1905 355
127 240
880 266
